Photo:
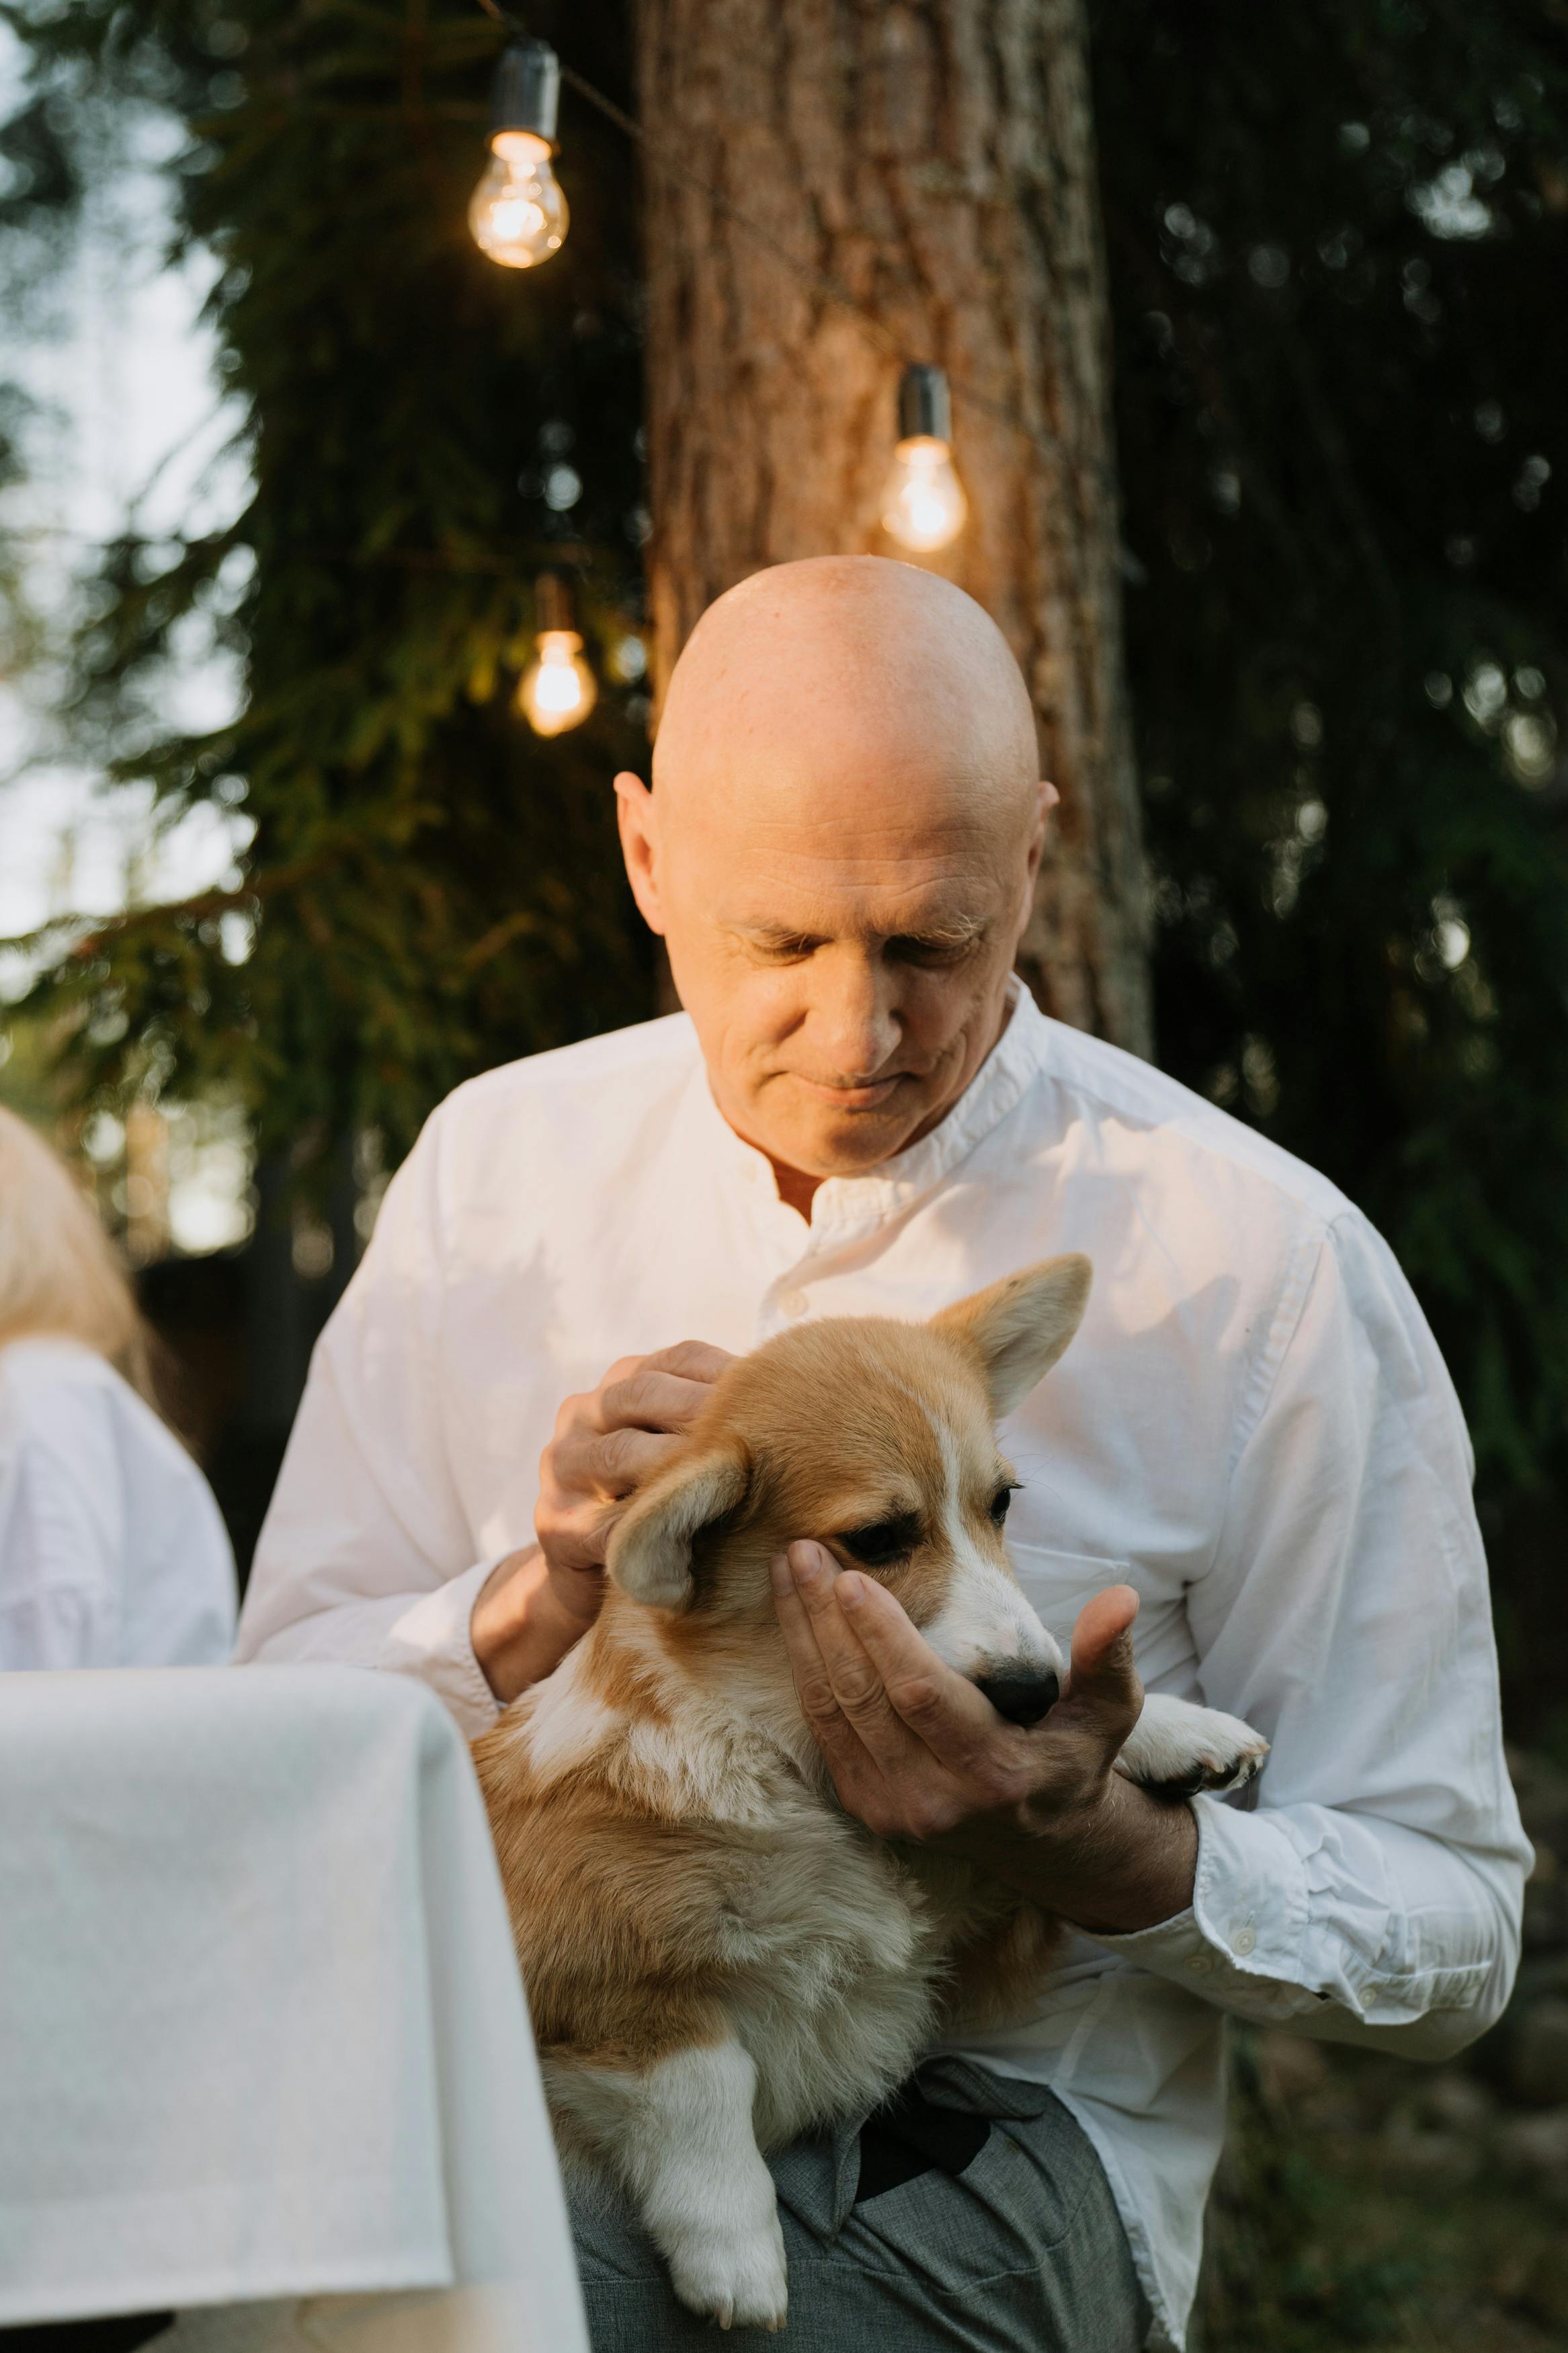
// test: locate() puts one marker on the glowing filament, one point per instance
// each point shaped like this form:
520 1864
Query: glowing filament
557 690
923 505
519 215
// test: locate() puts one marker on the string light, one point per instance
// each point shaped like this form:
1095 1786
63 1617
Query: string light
557 690
923 505
662 158
518 214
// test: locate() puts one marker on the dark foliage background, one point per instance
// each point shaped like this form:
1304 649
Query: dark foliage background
1338 240
430 889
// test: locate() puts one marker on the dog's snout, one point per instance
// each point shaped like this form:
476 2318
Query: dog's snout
1021 1693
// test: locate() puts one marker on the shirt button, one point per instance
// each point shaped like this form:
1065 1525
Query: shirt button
1243 1941
1201 1964
793 1301
1368 1996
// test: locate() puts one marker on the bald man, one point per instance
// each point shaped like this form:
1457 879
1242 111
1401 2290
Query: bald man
1248 1482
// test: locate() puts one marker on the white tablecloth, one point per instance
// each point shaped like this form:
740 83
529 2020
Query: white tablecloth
261 2033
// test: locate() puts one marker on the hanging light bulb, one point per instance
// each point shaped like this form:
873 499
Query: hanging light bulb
557 690
518 214
923 505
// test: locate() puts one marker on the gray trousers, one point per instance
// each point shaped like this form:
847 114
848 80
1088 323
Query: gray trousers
1008 2242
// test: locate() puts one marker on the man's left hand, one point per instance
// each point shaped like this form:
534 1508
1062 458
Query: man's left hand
916 1751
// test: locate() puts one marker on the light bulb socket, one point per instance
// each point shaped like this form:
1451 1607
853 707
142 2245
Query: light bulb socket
925 412
554 608
526 92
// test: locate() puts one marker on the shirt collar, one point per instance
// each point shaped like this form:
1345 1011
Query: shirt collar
850 1202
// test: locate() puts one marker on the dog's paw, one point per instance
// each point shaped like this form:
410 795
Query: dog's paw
733 2275
1176 1749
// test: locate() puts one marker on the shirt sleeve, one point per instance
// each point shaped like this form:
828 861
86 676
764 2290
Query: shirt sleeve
366 1557
1374 1892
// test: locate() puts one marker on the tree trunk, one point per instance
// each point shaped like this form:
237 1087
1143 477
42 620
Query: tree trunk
936 162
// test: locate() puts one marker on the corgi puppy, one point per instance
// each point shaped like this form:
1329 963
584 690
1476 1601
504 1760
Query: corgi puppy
718 1957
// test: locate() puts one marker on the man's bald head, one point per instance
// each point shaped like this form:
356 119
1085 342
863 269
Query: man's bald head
847 658
840 852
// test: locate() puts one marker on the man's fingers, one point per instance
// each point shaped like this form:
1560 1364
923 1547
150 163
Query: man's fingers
649 1400
608 1441
812 1685
814 1688
693 1360
943 1710
1102 1623
856 1687
608 1466
573 1531
620 1461
1102 1673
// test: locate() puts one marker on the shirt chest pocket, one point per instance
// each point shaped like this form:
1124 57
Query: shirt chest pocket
1057 1583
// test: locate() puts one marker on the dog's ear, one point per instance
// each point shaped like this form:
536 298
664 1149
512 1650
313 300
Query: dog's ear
650 1551
1019 1326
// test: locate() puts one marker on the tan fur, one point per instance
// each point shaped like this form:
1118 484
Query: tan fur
694 1913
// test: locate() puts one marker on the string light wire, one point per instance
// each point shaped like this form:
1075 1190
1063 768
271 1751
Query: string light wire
826 289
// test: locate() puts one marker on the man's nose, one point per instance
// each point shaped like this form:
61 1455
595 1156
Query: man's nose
1023 1694
854 1023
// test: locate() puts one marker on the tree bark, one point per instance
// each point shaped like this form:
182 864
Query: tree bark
936 162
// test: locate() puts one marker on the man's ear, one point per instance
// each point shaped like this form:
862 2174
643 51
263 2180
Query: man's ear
1019 1326
649 1551
635 816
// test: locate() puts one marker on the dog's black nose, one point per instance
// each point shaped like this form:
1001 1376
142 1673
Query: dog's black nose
1022 1696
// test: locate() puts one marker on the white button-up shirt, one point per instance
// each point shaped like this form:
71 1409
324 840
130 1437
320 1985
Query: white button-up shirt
112 1552
1253 1426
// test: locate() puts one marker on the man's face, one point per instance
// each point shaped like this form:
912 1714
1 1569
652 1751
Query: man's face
846 979
841 881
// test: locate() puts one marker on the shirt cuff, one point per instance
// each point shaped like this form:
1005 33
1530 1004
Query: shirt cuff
1241 1940
434 1641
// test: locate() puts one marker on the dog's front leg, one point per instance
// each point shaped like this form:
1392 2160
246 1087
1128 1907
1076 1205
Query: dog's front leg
681 2135
1176 1749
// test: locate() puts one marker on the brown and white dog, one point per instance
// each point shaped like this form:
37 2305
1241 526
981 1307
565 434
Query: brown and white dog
717 1957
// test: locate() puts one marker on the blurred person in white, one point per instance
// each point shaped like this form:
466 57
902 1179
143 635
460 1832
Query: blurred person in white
113 1551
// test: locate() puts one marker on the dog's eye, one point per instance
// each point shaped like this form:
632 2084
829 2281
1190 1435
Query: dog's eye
1000 1500
883 1542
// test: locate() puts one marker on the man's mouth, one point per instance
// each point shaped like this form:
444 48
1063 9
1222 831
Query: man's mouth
864 1095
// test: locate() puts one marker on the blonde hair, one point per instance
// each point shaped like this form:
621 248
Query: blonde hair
60 1275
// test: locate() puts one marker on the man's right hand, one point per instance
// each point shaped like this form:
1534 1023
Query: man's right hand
536 1603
